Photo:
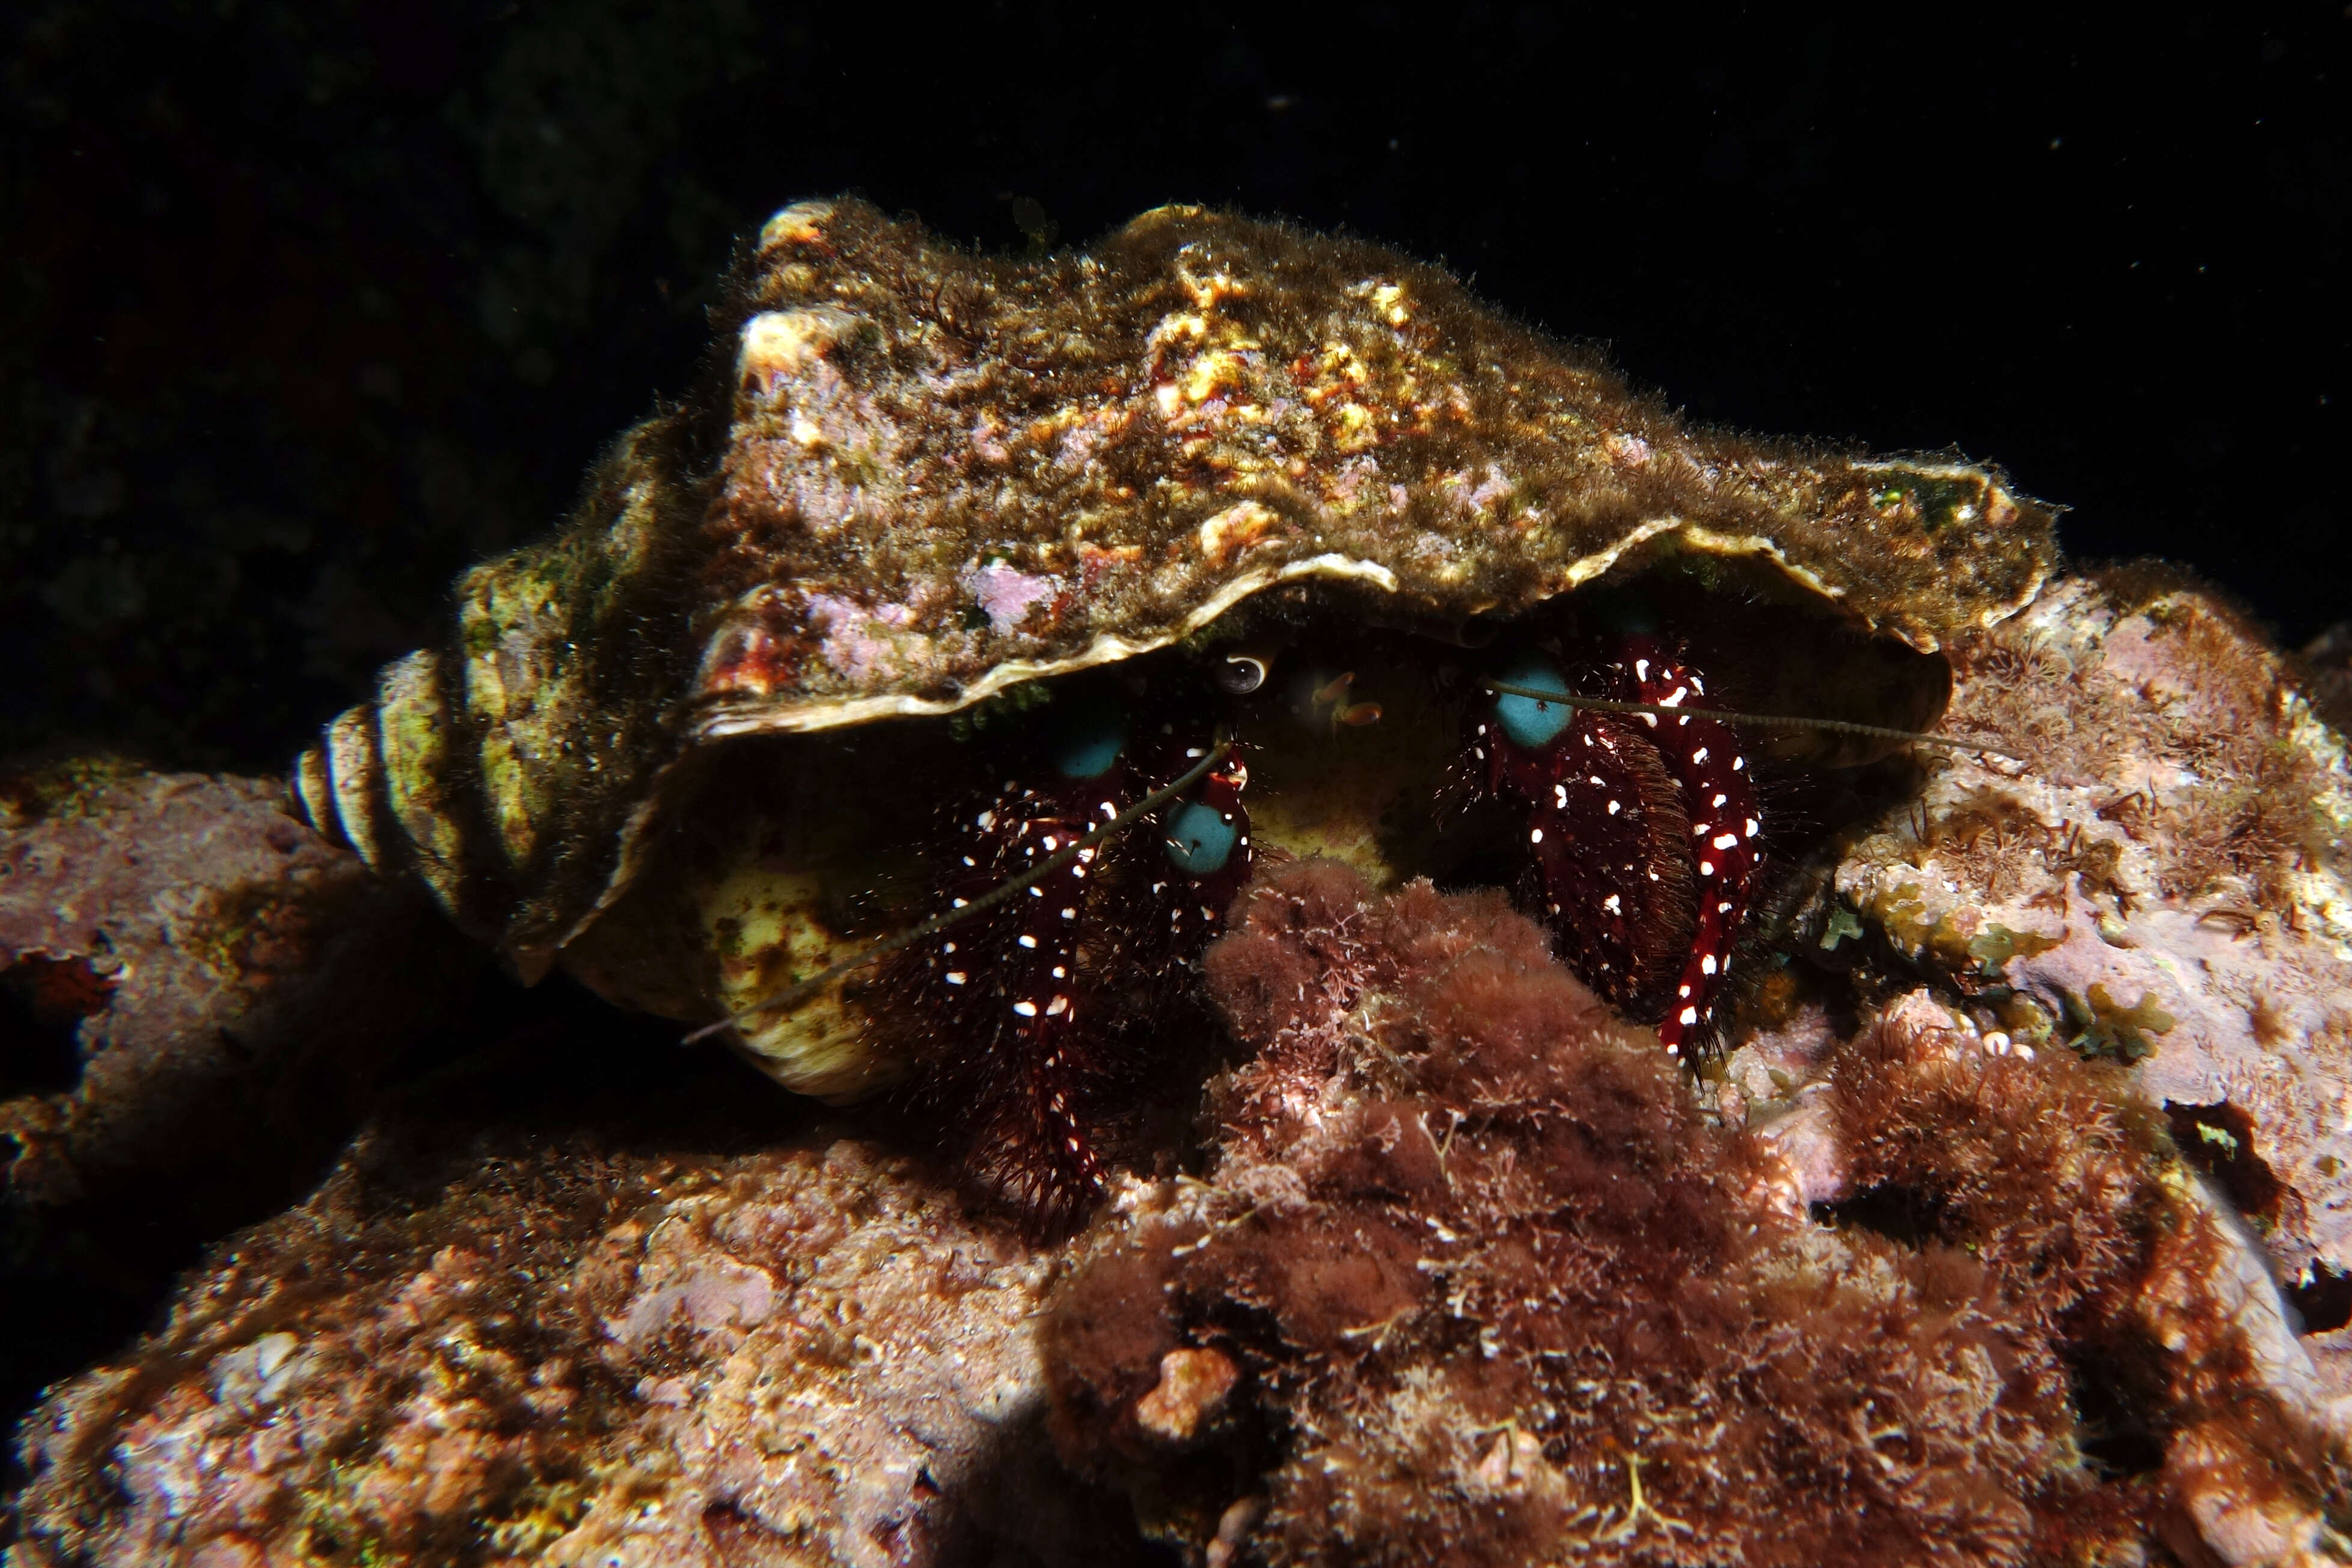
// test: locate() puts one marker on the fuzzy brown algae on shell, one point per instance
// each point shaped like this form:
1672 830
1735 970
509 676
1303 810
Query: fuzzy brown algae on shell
683 745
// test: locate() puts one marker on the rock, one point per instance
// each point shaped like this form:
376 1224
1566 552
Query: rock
2162 881
198 996
196 980
1498 1284
571 1354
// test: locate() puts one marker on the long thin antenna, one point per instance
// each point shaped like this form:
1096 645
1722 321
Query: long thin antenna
964 910
1757 721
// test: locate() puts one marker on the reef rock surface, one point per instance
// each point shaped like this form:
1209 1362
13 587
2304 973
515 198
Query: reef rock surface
581 1355
1480 1283
191 977
2159 878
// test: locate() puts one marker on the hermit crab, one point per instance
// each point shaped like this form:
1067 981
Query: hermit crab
991 615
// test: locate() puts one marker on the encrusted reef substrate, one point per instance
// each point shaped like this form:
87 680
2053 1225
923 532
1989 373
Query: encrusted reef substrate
2159 879
573 1353
1474 1279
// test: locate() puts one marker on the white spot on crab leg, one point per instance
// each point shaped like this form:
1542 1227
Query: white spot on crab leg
1028 941
1535 834
1726 840
1696 757
1751 827
1688 1016
1737 764
1614 808
1707 867
1724 908
1718 801
987 820
1612 905
956 977
1706 964
1058 1005
1642 669
1026 1009
1069 914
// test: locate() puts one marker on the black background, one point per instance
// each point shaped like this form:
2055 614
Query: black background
309 302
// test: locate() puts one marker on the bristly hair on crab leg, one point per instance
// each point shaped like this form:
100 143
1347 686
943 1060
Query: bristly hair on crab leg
1010 1010
1725 814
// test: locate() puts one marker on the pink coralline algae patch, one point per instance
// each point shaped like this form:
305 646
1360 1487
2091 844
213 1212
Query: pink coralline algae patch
1006 594
857 638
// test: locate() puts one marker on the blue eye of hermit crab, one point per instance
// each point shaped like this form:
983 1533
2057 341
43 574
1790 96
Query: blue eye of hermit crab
1089 746
1200 838
1529 722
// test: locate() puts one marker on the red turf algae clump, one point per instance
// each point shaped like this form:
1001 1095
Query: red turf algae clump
1494 1289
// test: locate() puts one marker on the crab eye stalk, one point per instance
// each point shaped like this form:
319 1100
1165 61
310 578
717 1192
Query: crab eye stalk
1201 838
1529 722
1091 745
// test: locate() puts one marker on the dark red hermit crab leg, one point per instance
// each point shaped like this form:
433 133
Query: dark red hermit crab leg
1004 1023
1036 985
1726 816
1606 834
1012 1028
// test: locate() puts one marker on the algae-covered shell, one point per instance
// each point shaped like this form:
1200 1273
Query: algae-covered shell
913 478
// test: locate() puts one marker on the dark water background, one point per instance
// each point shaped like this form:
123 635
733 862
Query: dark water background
306 303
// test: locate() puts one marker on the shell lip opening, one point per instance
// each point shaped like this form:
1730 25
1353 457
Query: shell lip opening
726 717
